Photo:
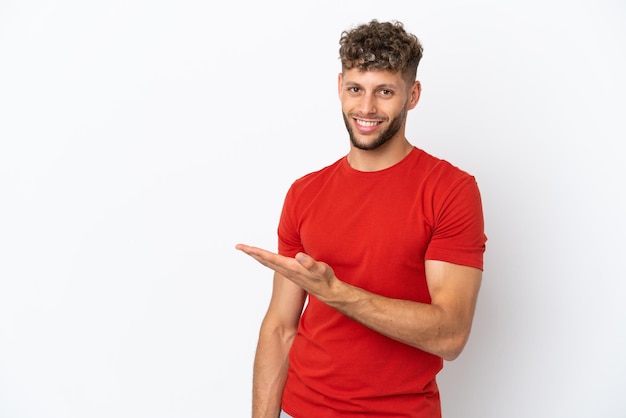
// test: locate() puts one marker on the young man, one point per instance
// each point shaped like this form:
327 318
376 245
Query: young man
387 243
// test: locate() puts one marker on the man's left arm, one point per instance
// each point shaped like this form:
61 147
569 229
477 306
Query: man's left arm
441 327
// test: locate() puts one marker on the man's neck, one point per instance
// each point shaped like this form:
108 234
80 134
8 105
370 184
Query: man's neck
381 158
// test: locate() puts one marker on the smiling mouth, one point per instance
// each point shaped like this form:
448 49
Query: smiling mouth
367 123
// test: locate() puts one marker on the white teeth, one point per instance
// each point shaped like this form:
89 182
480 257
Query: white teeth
366 123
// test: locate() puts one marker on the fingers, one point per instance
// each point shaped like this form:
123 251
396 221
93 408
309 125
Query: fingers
269 259
255 252
306 261
248 249
311 275
281 264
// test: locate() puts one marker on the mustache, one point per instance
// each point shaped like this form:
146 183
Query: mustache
377 118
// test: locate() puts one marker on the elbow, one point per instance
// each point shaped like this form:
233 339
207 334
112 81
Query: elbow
452 348
451 355
279 332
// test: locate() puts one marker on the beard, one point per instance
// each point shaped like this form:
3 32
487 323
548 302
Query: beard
382 138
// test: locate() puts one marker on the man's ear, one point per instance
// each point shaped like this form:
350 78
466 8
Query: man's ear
416 91
339 81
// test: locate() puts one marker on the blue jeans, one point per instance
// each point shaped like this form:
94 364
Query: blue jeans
283 414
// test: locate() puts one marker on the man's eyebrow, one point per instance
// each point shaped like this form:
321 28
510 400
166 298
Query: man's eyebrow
388 86
380 86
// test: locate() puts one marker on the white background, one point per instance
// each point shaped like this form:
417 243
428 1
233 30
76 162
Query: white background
141 140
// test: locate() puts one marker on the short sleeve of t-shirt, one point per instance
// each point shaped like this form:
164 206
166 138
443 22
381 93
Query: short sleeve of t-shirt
458 232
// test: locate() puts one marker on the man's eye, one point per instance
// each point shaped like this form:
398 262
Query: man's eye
353 89
385 92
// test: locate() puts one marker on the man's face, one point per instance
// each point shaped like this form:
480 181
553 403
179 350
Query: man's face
374 106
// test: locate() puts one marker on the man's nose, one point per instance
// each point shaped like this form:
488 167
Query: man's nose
368 104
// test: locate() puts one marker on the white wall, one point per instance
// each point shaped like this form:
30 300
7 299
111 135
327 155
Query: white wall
141 140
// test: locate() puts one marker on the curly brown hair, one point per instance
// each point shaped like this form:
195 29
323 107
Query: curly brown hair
381 46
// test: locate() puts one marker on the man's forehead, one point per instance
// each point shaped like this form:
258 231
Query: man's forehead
373 77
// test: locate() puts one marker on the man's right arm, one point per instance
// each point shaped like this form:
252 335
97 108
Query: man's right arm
276 335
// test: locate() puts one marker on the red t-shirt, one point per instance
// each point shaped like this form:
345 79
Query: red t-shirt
375 229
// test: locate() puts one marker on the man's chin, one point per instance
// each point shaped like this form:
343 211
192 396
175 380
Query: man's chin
367 145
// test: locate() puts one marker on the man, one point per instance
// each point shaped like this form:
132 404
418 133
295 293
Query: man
387 244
